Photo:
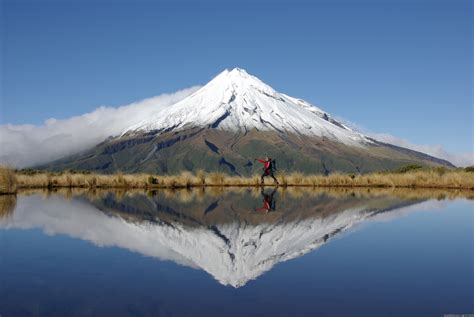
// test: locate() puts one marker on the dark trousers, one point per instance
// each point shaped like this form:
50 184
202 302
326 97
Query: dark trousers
268 173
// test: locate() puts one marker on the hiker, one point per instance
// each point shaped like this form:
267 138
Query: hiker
268 169
268 202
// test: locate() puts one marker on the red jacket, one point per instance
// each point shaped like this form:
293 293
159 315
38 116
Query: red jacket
266 164
265 208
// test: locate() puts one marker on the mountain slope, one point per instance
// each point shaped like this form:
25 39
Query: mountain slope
231 120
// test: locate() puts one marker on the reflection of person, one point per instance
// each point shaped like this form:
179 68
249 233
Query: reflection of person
268 169
268 202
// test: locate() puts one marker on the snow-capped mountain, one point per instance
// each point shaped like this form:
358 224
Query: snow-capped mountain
233 252
231 120
237 101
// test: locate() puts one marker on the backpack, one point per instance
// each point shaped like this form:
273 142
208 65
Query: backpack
272 165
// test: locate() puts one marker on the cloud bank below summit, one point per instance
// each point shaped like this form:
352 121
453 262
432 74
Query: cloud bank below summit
29 145
460 159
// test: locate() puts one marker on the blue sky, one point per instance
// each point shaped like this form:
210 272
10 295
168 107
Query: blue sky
398 67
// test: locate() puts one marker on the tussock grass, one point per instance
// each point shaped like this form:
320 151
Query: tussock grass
413 178
8 182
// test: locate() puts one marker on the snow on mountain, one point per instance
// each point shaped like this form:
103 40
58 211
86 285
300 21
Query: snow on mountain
233 253
237 101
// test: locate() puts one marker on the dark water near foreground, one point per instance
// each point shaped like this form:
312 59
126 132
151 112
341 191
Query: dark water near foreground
236 253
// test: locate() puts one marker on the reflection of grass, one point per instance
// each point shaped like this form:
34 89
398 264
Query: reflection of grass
414 178
7 205
199 193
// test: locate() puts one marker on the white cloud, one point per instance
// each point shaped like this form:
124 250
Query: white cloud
27 145
458 159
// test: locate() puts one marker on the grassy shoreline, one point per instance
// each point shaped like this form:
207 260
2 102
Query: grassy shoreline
11 181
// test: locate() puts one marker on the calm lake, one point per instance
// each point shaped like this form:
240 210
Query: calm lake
237 252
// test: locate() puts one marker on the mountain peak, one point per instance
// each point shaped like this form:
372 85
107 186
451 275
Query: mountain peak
234 100
240 71
236 71
238 78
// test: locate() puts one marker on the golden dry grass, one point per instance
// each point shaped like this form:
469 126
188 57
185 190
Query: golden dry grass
8 181
455 179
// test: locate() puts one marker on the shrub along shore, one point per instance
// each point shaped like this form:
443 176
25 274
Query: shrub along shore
407 177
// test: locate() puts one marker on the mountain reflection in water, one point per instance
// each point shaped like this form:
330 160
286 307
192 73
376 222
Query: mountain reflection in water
235 235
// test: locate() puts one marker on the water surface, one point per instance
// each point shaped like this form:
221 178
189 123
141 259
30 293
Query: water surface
236 252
